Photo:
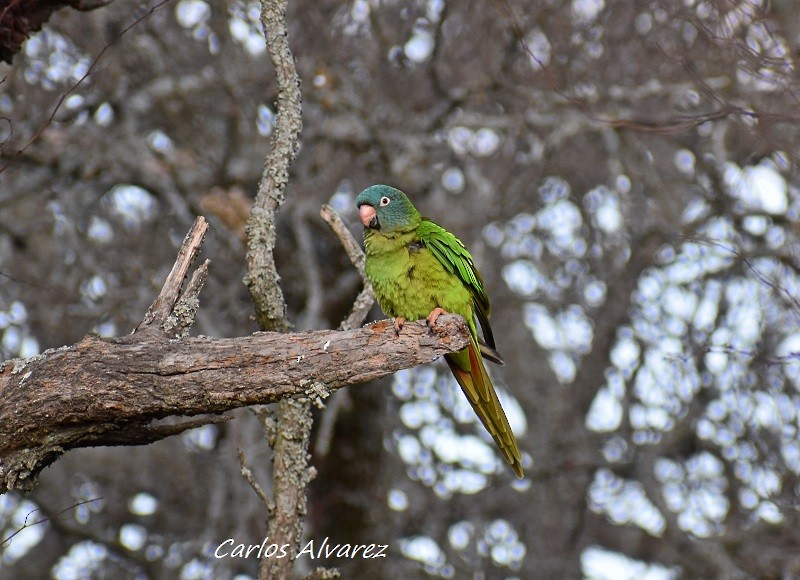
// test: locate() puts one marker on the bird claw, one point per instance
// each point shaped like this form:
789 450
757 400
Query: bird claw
398 325
434 315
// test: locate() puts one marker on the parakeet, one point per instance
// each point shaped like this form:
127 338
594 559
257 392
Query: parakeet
420 270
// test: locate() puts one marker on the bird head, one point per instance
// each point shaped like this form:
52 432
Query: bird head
385 208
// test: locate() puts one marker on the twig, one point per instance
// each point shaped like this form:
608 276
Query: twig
361 307
247 473
366 298
7 540
351 246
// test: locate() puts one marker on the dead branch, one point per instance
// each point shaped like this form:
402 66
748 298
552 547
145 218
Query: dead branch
351 246
163 312
247 473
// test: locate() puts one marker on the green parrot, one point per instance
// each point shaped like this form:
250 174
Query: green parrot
420 270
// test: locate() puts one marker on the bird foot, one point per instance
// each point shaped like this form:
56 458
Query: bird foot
398 325
434 315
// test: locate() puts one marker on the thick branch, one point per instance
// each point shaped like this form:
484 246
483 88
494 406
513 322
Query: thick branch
294 416
292 478
89 393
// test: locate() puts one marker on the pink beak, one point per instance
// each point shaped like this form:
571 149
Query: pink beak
367 213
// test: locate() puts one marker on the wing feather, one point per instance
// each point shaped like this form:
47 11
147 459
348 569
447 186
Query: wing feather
454 256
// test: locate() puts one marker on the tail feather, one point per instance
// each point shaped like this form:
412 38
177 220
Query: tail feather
468 369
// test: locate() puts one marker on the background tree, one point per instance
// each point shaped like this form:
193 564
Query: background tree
625 174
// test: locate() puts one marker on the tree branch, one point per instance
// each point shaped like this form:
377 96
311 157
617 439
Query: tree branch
365 298
262 277
358 313
247 473
164 311
108 391
292 473
91 392
292 476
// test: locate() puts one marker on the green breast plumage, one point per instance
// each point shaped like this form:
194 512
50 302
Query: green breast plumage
409 280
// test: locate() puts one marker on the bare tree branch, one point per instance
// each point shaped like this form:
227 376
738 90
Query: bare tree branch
294 416
45 518
91 393
361 307
163 306
247 473
262 277
292 476
183 313
366 298
351 246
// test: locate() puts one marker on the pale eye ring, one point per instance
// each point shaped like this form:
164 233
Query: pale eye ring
385 201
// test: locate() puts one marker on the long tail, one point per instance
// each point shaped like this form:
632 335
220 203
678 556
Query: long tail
470 373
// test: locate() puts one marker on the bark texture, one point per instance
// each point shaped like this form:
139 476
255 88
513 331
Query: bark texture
108 391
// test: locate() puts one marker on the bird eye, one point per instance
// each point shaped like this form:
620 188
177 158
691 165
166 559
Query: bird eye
385 201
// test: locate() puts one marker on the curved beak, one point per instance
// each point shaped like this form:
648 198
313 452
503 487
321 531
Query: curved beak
368 216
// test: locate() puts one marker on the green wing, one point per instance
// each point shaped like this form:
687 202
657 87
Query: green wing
454 256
